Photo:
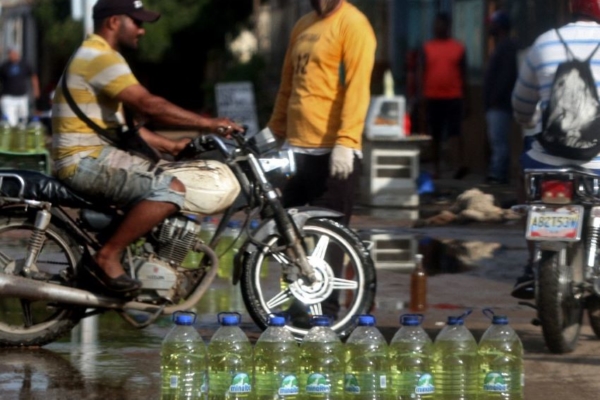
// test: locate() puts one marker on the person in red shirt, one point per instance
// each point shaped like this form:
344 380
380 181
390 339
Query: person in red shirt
444 89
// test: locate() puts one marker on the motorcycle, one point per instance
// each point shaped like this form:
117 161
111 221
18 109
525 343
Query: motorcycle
299 261
563 222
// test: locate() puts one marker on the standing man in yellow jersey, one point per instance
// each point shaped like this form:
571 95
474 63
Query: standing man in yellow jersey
100 82
323 102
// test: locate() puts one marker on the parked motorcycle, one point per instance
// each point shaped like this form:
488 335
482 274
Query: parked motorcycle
563 221
300 261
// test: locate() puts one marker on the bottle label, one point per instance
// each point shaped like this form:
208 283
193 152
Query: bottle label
288 386
494 382
351 384
174 381
240 384
425 384
382 381
318 383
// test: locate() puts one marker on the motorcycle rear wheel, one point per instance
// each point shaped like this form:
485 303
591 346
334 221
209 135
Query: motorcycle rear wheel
559 297
592 304
350 286
36 323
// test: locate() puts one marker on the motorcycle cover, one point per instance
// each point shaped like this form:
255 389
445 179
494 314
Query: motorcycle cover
210 185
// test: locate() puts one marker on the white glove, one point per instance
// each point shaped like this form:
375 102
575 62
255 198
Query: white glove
341 163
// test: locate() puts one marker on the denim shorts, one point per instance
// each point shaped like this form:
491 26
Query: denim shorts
123 180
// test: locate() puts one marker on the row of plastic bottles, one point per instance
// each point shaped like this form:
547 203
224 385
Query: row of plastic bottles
453 367
23 138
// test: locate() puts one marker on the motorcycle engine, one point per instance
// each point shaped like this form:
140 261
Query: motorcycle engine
155 275
176 237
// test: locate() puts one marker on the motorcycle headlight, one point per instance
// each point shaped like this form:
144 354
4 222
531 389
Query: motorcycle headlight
264 142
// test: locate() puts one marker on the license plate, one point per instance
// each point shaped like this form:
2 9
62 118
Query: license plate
560 224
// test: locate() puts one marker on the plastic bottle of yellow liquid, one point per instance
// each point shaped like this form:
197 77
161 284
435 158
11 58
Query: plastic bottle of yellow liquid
183 361
19 134
410 361
366 362
500 361
456 369
36 135
228 247
192 260
321 362
5 134
229 361
276 363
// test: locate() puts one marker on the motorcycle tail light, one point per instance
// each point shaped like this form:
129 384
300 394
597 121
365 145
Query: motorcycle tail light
557 192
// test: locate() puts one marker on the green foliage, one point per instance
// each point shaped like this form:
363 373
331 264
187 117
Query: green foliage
59 34
176 16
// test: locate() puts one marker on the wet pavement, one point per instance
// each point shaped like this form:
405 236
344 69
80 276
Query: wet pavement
469 266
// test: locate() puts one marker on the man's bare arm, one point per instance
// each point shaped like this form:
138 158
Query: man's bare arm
163 111
163 144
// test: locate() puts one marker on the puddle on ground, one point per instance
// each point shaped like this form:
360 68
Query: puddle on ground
397 251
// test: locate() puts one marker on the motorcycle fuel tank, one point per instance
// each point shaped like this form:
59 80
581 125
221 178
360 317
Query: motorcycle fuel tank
210 185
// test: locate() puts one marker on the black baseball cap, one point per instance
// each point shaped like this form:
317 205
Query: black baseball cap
132 8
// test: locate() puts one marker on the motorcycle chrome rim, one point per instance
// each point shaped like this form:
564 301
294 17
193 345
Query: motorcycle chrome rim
350 289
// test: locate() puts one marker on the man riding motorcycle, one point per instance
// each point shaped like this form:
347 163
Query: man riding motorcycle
532 90
99 82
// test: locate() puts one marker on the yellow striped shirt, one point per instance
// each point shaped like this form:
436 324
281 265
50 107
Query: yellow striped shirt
96 75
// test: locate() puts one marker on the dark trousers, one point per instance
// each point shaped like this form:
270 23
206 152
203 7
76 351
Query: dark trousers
312 185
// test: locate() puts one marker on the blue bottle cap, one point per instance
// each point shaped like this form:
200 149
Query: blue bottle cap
277 321
366 320
320 320
184 319
410 320
455 321
500 320
234 224
254 224
35 118
230 320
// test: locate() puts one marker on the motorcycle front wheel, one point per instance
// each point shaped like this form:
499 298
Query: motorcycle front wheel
36 323
559 297
345 287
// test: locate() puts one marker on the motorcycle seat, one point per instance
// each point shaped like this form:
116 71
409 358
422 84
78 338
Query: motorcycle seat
41 187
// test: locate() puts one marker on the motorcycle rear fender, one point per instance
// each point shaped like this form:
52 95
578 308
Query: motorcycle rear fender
551 246
268 228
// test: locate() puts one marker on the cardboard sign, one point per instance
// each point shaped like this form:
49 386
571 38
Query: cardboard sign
235 100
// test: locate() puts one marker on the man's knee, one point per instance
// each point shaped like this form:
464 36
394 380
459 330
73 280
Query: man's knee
177 185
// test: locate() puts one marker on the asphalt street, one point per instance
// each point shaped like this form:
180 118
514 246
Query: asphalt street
470 266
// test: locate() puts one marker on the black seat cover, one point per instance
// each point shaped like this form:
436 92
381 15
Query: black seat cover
41 187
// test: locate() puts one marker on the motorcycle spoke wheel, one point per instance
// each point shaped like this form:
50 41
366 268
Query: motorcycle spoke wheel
345 287
34 323
559 297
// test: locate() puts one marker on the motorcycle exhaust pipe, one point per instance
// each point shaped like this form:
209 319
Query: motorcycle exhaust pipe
23 288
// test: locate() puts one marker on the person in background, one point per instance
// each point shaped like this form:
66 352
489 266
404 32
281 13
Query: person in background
100 82
500 78
16 76
444 76
321 109
532 93
322 104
